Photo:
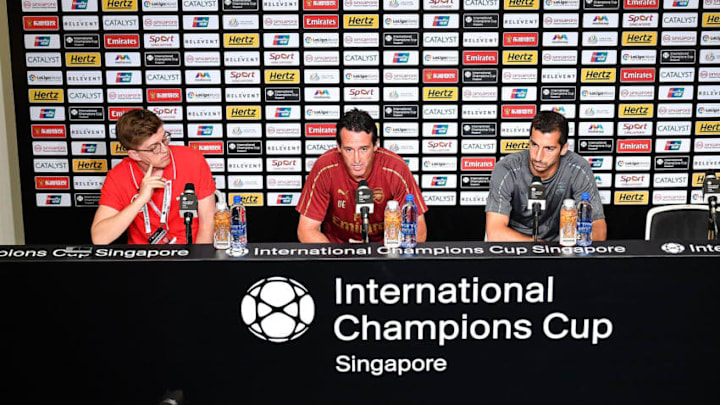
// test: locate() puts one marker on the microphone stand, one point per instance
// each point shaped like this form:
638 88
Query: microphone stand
188 227
536 220
364 214
712 220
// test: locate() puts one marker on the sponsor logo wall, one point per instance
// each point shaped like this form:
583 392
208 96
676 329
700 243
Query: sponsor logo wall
257 85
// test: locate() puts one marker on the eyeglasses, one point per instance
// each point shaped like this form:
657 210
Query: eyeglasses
156 148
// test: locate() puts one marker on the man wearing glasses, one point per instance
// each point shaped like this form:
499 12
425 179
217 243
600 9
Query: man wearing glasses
141 193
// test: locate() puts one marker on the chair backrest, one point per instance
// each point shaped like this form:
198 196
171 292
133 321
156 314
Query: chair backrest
685 221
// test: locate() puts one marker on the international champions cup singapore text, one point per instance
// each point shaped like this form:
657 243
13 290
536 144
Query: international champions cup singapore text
353 327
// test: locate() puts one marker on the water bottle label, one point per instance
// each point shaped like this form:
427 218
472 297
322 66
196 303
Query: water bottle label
584 227
408 229
238 229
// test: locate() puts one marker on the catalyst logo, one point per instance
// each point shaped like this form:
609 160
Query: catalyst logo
277 309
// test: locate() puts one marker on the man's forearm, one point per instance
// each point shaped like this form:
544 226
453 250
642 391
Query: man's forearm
312 236
507 234
111 228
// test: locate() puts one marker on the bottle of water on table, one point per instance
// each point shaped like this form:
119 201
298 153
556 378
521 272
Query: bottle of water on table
238 228
584 221
408 238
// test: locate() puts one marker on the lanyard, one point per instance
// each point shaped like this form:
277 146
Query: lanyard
167 197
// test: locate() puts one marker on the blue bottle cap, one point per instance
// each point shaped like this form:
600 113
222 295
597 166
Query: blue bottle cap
237 199
585 196
410 197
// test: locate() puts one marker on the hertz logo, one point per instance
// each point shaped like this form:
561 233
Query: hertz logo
632 197
90 165
249 199
120 5
82 59
46 96
282 76
699 178
510 146
440 94
522 4
635 110
707 128
639 38
711 20
520 58
598 75
243 112
242 40
116 149
361 21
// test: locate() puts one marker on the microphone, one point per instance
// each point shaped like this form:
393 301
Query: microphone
536 202
364 206
536 195
711 192
188 209
175 397
711 187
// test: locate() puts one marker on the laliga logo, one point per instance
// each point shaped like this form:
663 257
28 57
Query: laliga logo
673 248
277 309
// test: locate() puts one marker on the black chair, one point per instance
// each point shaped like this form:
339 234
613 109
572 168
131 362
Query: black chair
685 221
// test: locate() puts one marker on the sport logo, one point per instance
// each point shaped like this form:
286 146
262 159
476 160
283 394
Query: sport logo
277 309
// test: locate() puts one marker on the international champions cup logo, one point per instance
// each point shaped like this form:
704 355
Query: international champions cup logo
673 248
277 309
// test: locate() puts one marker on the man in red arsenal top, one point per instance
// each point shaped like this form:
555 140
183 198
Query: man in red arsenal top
327 203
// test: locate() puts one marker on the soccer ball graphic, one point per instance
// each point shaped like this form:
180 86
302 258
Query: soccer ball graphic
277 309
673 248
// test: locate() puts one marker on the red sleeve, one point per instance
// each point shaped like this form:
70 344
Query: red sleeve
204 181
315 196
110 195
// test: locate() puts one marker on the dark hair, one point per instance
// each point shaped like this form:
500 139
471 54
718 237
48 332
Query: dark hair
358 121
135 126
549 121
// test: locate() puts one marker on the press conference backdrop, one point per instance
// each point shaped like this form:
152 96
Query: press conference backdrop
257 85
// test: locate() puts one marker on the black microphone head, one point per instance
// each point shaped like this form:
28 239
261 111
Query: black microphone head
189 187
536 179
363 183
709 175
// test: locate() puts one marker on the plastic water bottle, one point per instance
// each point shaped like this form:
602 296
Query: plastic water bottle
408 238
568 223
393 224
584 221
221 236
238 228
